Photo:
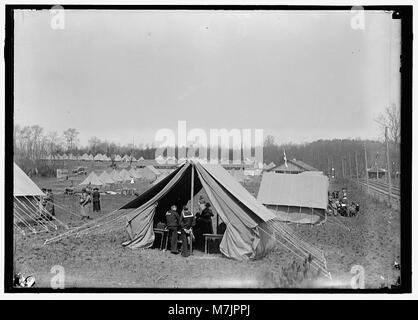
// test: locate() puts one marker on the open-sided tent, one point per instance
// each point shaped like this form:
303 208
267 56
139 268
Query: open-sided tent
295 197
106 178
92 179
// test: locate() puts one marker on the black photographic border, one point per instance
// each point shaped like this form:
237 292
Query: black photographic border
400 12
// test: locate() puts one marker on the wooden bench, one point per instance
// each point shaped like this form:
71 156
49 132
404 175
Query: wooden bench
211 236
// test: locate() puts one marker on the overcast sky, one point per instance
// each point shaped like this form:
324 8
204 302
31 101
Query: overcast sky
300 76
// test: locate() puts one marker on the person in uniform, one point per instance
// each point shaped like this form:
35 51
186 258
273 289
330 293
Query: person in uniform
187 221
85 204
96 200
51 200
172 220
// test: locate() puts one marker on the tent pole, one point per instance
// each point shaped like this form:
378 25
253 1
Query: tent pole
191 190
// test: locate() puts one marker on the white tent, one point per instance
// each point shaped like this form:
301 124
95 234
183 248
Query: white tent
125 175
115 176
134 173
92 179
23 185
106 178
126 158
118 158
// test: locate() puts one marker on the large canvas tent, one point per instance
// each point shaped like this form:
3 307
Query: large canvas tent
92 179
243 216
299 198
125 175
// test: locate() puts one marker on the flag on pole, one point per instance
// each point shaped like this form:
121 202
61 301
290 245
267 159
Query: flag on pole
284 157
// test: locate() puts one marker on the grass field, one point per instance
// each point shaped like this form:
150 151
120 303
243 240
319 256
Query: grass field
371 240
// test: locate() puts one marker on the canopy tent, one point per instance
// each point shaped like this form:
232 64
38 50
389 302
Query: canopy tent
106 178
23 186
92 179
299 198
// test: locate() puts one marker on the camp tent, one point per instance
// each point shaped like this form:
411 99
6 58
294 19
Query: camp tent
243 215
23 186
106 178
154 170
134 174
298 198
147 173
92 179
126 158
98 157
115 176
125 175
118 158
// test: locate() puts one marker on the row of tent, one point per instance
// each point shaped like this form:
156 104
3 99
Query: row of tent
90 157
148 173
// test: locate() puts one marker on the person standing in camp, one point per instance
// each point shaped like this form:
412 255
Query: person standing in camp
51 200
84 204
206 219
96 200
172 219
187 221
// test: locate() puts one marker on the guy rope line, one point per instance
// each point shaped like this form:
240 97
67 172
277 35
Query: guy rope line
17 215
40 219
27 212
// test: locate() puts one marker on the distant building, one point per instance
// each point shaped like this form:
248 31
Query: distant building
376 172
293 167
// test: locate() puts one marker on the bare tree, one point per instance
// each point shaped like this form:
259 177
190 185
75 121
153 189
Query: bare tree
71 137
93 143
391 118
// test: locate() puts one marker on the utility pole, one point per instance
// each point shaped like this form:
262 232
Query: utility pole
365 163
355 154
342 167
388 165
328 166
349 164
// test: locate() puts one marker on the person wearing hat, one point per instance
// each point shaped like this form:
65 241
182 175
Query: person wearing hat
172 220
84 204
96 200
187 221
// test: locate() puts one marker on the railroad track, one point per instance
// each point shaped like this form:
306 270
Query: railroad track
383 185
382 189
